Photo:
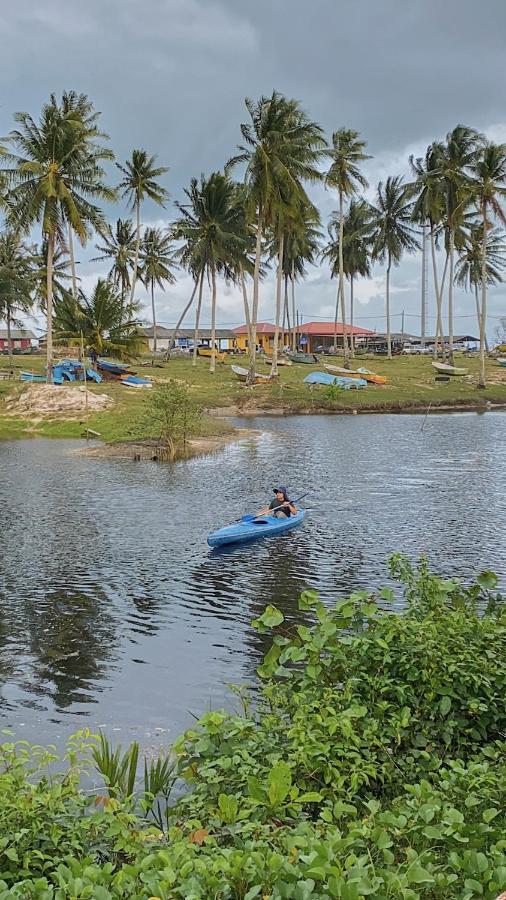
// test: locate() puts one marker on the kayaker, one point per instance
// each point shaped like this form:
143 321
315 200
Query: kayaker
281 507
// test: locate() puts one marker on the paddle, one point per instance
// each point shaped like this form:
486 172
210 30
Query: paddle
258 521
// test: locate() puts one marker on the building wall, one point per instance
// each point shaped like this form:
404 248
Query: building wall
18 344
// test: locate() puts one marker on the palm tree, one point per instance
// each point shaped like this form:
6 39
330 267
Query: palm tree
211 227
428 208
281 152
118 246
17 280
158 260
468 269
140 181
104 324
357 231
348 150
460 153
393 231
489 187
61 274
301 248
52 175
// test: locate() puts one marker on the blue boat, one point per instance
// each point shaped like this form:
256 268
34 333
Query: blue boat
41 379
249 528
341 381
135 381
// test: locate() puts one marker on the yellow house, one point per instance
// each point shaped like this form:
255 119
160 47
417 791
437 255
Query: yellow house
265 336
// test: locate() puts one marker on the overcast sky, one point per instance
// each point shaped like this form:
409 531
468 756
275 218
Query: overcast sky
171 76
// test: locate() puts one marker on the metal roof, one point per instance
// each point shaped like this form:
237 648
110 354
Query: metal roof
17 334
204 333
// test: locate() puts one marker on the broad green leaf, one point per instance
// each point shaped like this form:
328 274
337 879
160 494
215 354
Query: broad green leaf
418 875
487 580
445 705
490 814
270 618
280 782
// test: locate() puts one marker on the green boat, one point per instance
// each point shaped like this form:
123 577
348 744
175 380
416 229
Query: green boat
298 356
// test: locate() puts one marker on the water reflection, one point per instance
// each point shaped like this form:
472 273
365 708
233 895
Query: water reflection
114 611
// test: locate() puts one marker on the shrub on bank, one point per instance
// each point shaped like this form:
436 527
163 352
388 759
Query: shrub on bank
372 763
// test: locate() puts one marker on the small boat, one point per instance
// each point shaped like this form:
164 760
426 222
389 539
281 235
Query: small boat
30 376
135 381
307 359
282 359
249 528
444 369
365 374
242 375
340 381
502 362
207 351
113 371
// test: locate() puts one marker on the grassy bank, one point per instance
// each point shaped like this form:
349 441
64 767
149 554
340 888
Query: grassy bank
371 764
411 386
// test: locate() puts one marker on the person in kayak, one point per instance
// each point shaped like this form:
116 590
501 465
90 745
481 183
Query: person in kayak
281 507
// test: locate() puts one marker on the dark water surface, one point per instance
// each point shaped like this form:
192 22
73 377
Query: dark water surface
113 610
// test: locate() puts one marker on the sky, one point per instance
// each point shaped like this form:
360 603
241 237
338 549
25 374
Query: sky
171 76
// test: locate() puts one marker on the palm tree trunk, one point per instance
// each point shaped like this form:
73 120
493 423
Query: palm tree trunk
288 324
389 336
285 312
341 281
181 317
437 291
197 320
336 316
450 304
441 294
294 333
155 346
254 311
247 313
212 367
478 313
137 249
483 318
8 320
352 339
279 280
72 261
49 307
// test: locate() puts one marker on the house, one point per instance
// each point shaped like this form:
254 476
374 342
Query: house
311 336
20 337
225 338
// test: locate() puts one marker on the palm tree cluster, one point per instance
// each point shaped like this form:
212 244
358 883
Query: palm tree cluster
53 176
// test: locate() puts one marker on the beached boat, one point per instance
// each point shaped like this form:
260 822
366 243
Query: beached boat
282 359
445 369
307 359
113 371
242 375
340 381
135 381
250 528
502 362
365 374
206 351
31 376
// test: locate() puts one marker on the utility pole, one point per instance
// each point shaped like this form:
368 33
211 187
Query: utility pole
402 326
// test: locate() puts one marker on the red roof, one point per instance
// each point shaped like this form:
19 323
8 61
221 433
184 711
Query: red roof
319 329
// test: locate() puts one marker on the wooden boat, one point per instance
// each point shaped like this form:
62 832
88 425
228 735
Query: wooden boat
242 375
365 374
282 359
444 369
30 376
135 381
206 351
307 359
326 378
502 362
113 371
250 528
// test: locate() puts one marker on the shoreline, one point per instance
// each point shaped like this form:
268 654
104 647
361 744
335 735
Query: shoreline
399 408
149 450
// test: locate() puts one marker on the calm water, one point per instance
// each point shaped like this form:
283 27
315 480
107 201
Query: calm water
113 611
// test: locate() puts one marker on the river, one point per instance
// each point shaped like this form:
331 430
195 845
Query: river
114 613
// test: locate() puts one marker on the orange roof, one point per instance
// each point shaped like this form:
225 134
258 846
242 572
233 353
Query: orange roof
262 328
319 329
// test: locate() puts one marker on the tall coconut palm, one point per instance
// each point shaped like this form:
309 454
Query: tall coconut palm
118 247
347 152
461 151
17 280
101 320
281 153
157 263
301 248
139 181
52 175
468 269
212 231
61 274
357 229
429 208
489 186
393 232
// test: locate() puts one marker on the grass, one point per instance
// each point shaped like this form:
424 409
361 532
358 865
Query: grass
411 386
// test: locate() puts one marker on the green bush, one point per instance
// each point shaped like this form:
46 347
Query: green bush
371 764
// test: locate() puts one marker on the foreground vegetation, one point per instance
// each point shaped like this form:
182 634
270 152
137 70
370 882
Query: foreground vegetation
372 763
411 387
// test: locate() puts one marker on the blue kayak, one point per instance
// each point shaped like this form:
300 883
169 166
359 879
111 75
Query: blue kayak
250 528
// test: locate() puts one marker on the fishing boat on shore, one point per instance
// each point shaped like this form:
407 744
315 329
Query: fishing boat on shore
135 381
298 356
242 375
281 361
502 363
219 355
365 374
111 371
445 369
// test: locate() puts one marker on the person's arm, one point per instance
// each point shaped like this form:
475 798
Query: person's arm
292 508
